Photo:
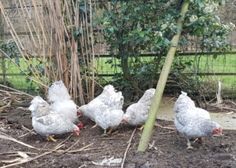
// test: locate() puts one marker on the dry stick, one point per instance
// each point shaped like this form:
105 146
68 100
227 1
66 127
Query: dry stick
229 101
27 134
13 153
84 148
228 108
27 23
92 48
164 133
21 92
7 137
62 142
18 43
127 148
10 24
31 159
72 145
222 107
27 129
7 105
37 17
164 127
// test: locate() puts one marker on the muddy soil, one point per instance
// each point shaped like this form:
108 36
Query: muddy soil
166 150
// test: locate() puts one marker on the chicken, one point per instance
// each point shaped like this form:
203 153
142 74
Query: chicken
47 122
137 113
109 119
106 109
61 101
193 122
108 99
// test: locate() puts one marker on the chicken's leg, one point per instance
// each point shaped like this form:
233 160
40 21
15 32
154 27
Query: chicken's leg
141 128
104 133
189 146
51 138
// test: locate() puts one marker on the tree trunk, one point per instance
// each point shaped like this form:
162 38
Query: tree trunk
124 62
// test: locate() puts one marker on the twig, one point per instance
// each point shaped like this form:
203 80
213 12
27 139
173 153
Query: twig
127 148
7 105
80 149
14 153
31 159
17 141
228 108
83 165
229 101
164 133
21 92
164 127
72 146
221 107
62 142
219 99
27 129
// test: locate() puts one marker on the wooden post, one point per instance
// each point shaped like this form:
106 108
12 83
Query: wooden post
147 132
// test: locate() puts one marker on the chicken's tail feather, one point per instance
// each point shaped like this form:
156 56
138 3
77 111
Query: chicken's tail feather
184 93
58 91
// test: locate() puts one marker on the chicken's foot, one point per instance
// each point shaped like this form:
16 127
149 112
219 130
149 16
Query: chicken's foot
189 146
141 128
51 138
104 133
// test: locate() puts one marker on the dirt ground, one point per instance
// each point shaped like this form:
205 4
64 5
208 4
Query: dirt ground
166 150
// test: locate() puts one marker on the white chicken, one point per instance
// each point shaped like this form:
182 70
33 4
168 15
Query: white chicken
108 99
106 109
137 113
109 119
193 122
47 122
61 101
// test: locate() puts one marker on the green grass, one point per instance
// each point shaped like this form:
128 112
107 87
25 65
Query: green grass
17 75
219 64
210 64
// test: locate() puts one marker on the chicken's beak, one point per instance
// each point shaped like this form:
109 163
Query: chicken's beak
218 132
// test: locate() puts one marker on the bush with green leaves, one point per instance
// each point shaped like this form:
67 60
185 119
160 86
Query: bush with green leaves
135 27
10 49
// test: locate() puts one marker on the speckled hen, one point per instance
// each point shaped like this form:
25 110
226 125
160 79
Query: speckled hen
137 113
106 109
47 122
61 101
193 122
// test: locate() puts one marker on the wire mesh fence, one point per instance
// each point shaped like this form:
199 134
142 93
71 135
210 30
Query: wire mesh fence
211 67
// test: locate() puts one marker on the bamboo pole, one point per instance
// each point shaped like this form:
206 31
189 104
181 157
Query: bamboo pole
147 132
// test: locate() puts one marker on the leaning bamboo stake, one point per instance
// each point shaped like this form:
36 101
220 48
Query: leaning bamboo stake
147 132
